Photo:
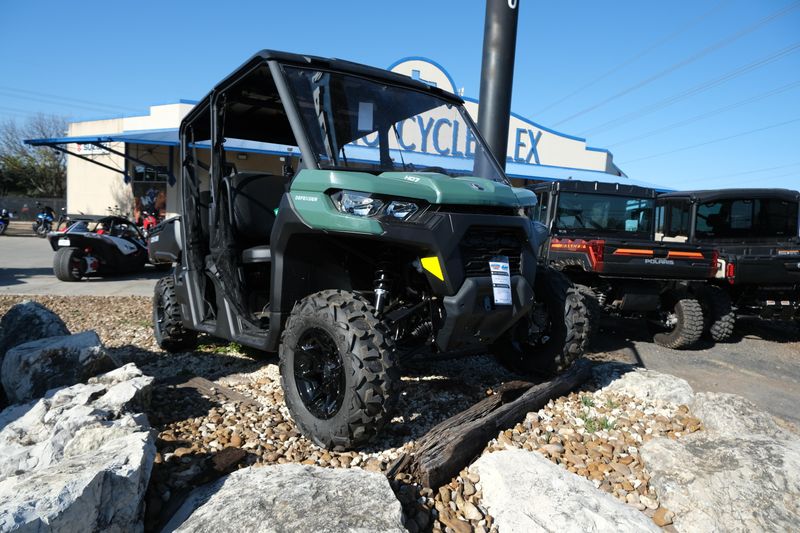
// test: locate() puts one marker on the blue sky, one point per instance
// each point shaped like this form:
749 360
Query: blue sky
686 94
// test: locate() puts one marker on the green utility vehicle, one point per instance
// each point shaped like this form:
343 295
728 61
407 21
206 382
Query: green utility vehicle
601 236
318 220
756 234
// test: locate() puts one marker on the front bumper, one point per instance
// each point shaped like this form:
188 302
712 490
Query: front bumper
471 317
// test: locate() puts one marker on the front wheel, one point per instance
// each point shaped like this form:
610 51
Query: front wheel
338 369
683 322
554 334
69 264
167 323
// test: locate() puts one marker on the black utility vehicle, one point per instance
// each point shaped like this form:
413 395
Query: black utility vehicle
361 250
601 237
756 234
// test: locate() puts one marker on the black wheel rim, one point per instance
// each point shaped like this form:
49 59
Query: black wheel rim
319 373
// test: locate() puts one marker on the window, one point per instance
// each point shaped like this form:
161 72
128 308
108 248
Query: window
747 218
601 213
540 211
363 124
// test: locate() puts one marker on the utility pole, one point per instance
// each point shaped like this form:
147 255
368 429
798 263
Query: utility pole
497 76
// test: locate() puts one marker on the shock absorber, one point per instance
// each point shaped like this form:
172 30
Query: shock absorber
383 282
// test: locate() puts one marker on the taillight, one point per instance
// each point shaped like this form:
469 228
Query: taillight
596 250
730 273
714 263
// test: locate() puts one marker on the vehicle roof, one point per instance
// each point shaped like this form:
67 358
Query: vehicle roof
621 189
339 65
709 195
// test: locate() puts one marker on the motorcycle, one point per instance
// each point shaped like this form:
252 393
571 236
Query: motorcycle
44 220
5 219
147 221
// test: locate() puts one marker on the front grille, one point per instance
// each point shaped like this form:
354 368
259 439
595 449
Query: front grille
482 243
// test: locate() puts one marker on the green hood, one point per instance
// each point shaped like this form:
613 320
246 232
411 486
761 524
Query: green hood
432 187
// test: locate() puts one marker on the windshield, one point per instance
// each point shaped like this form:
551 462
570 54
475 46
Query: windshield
359 124
603 213
747 218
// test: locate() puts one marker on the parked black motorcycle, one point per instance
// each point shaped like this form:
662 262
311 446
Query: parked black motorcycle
5 219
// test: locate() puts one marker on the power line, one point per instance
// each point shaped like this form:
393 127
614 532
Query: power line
742 173
713 141
697 89
764 178
635 57
707 114
691 59
49 101
66 99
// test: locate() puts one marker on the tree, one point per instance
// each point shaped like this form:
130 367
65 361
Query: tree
32 170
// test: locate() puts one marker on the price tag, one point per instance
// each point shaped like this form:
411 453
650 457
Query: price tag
501 280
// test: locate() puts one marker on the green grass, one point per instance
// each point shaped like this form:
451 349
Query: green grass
611 404
587 401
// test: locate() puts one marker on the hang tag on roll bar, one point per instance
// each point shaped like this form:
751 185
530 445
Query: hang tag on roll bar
501 280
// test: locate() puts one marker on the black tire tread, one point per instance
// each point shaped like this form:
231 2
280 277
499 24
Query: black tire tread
61 264
594 311
563 349
172 336
374 367
689 328
720 316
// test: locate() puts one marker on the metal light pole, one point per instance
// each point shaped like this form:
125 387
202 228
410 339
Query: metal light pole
497 75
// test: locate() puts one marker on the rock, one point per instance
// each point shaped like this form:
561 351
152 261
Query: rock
524 492
77 460
292 497
733 415
643 383
663 517
741 474
25 322
28 321
29 370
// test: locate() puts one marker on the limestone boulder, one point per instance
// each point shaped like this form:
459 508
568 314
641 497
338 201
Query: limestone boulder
292 497
526 492
79 459
31 369
25 322
742 473
643 383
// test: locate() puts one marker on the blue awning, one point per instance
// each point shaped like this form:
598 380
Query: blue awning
165 137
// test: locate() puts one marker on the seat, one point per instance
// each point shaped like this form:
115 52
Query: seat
253 199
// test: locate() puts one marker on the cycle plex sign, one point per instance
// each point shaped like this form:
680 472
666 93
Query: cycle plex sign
440 138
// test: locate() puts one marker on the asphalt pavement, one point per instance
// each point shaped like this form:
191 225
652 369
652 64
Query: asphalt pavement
761 363
26 267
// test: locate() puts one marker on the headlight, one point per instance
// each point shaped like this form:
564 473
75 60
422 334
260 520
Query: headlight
400 210
361 204
364 204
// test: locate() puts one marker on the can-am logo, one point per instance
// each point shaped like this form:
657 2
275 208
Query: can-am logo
659 261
